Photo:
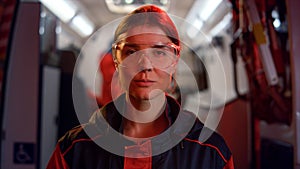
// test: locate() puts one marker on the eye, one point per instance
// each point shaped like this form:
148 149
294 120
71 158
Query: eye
159 52
127 51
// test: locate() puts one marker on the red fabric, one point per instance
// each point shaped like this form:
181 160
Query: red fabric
142 152
57 160
230 164
7 9
107 70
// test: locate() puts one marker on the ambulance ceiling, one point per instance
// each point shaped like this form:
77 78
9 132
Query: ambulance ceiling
100 12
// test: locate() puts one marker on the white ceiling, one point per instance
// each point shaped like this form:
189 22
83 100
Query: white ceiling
98 12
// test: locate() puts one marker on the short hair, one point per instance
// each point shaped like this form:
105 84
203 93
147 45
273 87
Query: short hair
149 15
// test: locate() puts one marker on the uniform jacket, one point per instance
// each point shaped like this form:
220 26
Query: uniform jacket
79 148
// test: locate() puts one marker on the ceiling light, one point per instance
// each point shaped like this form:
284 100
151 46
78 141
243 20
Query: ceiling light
221 25
82 25
125 6
195 28
197 24
41 30
63 9
276 23
164 2
275 14
58 29
208 8
129 1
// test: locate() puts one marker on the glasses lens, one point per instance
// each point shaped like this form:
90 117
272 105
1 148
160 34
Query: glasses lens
161 56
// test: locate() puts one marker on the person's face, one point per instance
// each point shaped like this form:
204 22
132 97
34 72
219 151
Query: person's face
146 62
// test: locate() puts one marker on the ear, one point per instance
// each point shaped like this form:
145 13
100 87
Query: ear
173 69
113 52
116 66
173 85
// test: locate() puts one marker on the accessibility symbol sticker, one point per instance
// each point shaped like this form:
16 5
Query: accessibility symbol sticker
24 153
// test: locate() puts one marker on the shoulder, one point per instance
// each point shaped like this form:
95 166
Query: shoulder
90 131
77 135
210 140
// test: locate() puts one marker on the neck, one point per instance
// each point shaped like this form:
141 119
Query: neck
145 130
145 111
145 118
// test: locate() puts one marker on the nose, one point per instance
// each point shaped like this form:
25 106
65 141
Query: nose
145 63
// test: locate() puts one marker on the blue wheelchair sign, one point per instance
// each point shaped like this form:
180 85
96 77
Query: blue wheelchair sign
24 153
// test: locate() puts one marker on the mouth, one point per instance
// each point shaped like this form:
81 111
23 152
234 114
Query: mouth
144 82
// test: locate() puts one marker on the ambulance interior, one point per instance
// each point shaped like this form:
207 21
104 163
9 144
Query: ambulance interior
238 70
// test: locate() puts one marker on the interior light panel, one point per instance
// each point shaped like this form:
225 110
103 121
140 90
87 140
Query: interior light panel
125 6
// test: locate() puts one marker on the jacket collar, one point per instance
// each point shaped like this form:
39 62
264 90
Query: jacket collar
111 112
108 118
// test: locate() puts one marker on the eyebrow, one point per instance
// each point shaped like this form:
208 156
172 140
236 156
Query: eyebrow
159 45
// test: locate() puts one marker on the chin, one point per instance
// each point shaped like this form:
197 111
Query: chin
147 95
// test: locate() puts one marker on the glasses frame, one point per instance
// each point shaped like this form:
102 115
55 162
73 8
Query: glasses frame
116 47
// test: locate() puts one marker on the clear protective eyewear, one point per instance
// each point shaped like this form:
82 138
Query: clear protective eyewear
161 56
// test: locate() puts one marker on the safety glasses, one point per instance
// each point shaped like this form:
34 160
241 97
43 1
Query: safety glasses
161 56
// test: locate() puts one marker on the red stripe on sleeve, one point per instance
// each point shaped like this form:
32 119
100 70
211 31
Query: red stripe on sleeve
57 160
230 164
209 145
